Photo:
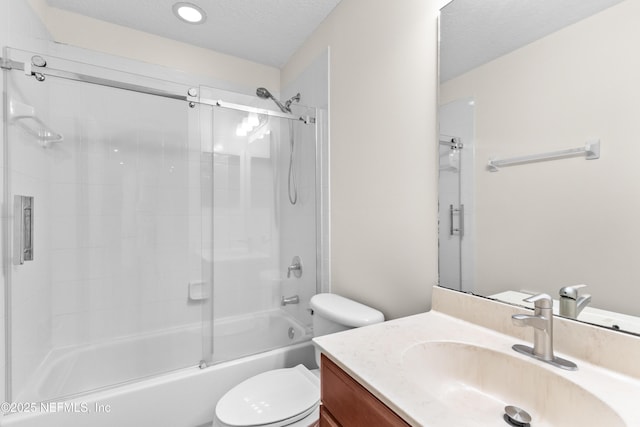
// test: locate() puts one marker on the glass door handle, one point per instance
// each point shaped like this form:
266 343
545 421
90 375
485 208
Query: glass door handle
23 228
460 229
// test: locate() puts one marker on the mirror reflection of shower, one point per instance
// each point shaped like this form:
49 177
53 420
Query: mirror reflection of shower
292 187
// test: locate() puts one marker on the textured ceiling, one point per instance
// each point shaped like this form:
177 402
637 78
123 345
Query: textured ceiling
473 32
264 31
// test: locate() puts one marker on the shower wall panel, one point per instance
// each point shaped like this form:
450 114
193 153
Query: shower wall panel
298 222
304 227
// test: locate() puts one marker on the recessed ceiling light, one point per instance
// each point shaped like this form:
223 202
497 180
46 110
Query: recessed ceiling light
189 12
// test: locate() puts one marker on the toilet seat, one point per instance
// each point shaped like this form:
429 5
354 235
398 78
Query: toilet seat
274 398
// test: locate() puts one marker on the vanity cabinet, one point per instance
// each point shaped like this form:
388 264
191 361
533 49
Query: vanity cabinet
346 403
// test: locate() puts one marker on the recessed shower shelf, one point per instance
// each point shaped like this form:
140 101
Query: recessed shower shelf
591 149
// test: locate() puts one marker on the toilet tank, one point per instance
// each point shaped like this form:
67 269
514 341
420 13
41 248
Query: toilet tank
333 313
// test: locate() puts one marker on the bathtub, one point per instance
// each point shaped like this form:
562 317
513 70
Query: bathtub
182 398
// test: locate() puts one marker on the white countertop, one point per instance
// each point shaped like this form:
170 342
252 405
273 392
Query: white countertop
373 355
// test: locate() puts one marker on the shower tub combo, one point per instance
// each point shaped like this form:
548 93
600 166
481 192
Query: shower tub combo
183 398
151 241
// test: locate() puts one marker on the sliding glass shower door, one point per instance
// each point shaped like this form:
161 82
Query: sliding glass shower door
107 281
258 158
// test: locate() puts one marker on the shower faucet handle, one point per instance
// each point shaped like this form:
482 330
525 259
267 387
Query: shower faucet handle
296 267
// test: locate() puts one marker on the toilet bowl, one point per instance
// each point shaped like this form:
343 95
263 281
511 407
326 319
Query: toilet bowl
276 398
291 396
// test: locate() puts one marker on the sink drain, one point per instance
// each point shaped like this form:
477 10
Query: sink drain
516 416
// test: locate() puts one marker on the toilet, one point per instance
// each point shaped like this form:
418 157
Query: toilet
291 396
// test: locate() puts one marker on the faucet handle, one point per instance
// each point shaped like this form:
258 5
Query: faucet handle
571 291
540 301
296 267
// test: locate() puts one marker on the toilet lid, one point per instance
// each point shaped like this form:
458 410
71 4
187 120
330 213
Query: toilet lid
270 397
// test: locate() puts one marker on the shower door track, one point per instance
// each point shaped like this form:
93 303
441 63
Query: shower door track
40 72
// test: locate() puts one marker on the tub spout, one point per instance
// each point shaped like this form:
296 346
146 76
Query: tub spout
290 300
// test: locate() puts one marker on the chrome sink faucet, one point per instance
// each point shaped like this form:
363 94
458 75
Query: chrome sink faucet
542 323
570 304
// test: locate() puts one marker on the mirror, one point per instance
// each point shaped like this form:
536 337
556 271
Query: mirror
534 87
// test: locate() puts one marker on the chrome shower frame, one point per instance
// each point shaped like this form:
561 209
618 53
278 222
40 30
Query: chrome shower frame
191 95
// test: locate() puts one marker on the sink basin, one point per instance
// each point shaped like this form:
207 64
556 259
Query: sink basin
471 385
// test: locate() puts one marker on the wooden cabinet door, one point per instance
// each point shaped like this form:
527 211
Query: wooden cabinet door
350 404
326 420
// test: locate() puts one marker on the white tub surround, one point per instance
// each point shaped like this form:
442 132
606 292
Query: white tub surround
383 359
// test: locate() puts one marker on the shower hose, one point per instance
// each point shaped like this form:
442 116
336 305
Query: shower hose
292 187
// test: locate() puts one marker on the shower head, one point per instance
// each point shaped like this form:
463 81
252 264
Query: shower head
263 93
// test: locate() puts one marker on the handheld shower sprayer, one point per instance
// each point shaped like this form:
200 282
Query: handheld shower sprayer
292 186
264 93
